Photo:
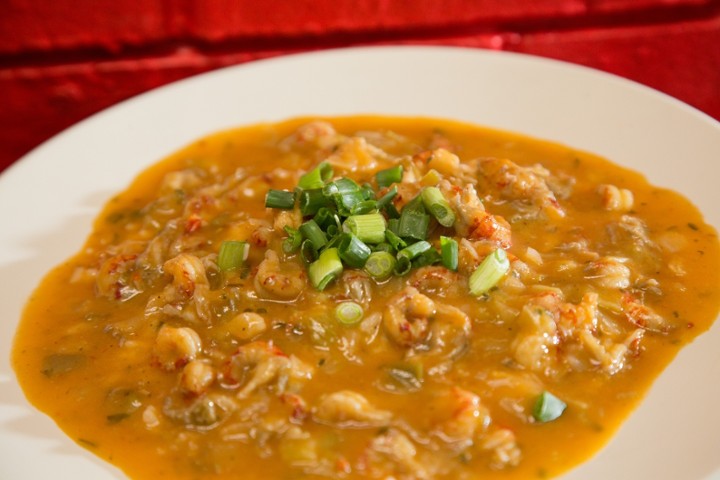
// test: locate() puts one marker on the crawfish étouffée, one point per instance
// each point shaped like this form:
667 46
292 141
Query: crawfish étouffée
150 353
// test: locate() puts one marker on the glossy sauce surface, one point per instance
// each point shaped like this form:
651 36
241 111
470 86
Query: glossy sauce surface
148 355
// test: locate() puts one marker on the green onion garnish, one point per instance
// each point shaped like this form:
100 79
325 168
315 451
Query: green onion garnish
548 407
414 250
428 257
341 185
449 252
370 228
308 253
366 206
413 224
317 177
346 202
380 265
392 225
402 266
489 272
367 191
387 177
311 201
326 217
280 199
396 242
352 251
325 269
383 247
232 255
438 206
293 240
385 200
345 225
333 230
348 313
391 211
312 232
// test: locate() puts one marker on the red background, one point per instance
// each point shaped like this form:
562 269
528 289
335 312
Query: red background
62 60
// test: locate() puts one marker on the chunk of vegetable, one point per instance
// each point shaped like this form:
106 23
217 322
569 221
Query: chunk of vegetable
548 407
489 272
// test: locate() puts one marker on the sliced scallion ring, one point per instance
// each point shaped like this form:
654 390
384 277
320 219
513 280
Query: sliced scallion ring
281 199
489 272
380 265
396 242
438 206
325 269
413 221
414 250
312 232
428 257
311 201
385 200
292 242
317 177
348 313
232 255
353 251
387 177
449 252
402 266
370 227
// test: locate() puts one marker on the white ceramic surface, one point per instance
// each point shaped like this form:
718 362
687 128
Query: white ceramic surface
49 198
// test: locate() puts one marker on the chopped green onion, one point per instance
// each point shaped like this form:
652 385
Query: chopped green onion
383 247
391 211
312 232
333 230
396 242
345 202
341 185
280 199
370 228
387 198
325 269
335 240
548 407
413 224
367 191
293 240
428 257
438 206
380 265
387 177
415 205
348 313
317 177
414 250
366 206
353 251
311 201
308 253
392 225
449 252
402 266
326 217
489 272
232 255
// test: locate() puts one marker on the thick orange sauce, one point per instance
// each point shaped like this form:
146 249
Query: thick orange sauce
90 360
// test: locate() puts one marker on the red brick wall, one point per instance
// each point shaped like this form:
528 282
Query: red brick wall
63 60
